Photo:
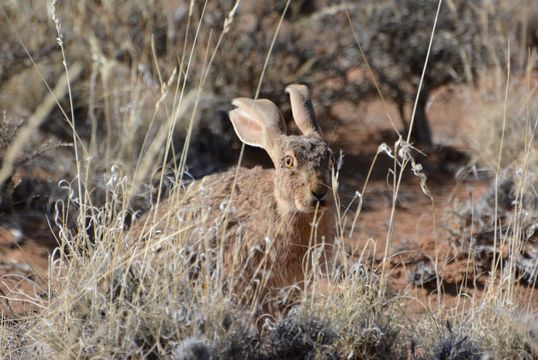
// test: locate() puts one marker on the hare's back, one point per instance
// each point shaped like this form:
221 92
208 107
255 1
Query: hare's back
239 188
200 207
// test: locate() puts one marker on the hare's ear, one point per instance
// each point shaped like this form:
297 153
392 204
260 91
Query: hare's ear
257 122
302 109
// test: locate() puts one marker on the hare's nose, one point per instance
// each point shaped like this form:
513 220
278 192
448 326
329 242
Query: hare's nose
320 194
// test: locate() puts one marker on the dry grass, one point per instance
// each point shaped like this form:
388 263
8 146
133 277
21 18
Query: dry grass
507 114
109 298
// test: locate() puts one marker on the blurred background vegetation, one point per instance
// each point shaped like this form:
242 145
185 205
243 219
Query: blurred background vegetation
129 50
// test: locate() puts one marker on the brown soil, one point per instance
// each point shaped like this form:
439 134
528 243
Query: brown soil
421 230
24 263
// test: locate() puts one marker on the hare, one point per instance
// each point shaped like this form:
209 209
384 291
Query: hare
267 214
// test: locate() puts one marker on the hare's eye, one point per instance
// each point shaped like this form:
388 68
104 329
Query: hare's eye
289 161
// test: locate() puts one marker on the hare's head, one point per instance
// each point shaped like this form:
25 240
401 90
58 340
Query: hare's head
302 163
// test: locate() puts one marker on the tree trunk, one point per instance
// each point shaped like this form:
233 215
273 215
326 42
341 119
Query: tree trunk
421 128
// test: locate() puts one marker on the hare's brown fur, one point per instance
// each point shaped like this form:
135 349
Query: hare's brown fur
267 220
